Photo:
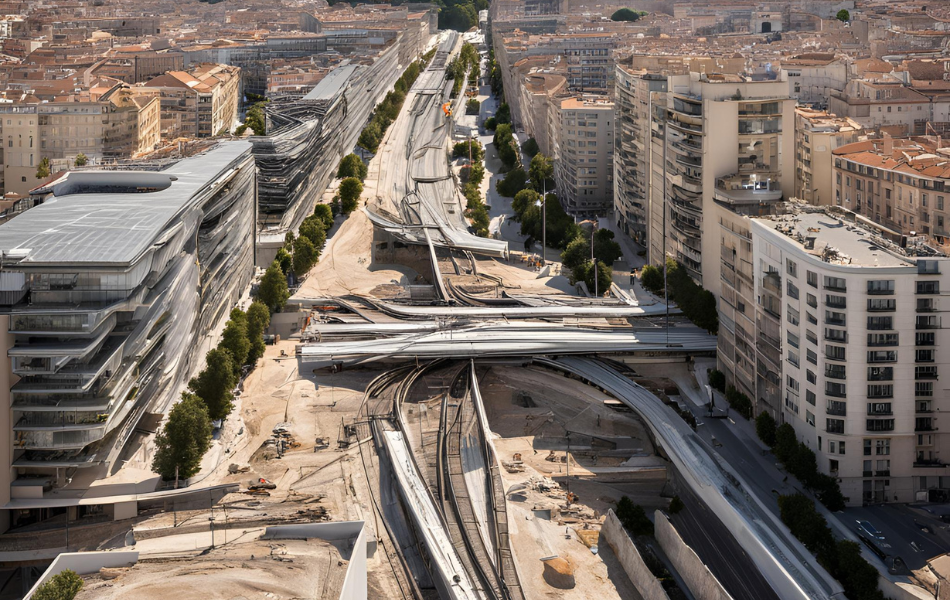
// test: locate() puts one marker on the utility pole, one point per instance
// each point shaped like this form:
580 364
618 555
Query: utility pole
593 261
544 221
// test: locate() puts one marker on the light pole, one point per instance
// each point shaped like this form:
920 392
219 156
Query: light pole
543 205
593 261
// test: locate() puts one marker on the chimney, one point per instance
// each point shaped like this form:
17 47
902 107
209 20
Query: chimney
888 145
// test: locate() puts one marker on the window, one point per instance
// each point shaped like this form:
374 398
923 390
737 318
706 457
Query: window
811 300
792 316
836 335
811 337
882 304
928 287
791 289
809 417
882 339
925 356
811 356
836 408
925 338
811 318
880 373
882 447
880 356
837 390
879 424
792 339
835 371
834 352
791 267
923 389
811 278
836 301
792 383
810 397
881 390
880 323
925 372
835 318
885 286
841 447
837 284
834 425
793 357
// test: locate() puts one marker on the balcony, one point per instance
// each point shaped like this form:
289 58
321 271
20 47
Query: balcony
753 188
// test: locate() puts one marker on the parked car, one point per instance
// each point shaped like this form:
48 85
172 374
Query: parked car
866 529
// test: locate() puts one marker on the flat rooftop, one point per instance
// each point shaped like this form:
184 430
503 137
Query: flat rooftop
283 568
835 241
334 83
98 217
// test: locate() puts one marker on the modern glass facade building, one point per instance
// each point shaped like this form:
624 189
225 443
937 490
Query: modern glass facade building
107 286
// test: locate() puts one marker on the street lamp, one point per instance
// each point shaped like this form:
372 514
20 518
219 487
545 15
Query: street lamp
593 260
543 205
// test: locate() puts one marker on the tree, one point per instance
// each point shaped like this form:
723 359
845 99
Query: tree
523 200
215 382
576 253
717 380
505 145
765 428
503 116
256 120
585 272
283 260
472 106
81 160
857 575
786 443
258 320
605 248
676 505
273 290
314 229
324 212
530 147
350 190
42 171
305 256
65 585
183 440
843 15
234 341
491 123
370 137
652 279
513 183
541 170
633 517
625 14
352 166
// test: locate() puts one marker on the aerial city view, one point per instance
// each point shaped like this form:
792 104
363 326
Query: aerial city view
474 300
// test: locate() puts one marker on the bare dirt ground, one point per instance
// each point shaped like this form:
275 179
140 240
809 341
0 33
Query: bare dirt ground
531 411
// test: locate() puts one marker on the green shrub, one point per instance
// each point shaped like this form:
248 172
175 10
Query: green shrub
717 380
765 428
65 585
514 181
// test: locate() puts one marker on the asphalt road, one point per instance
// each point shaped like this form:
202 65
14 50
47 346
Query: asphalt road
708 537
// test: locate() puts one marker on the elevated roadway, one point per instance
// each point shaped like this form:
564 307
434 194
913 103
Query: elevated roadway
419 200
487 340
788 566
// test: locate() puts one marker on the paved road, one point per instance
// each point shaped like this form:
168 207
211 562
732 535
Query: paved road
708 537
782 559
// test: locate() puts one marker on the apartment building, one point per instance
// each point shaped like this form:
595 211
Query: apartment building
632 140
199 103
583 155
848 330
815 76
720 142
900 183
818 134
882 104
119 124
107 287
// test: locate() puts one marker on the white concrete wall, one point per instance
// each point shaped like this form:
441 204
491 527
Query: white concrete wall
85 563
699 579
354 585
613 533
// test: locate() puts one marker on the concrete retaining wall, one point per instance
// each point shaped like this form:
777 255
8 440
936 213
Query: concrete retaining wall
699 579
84 563
614 534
